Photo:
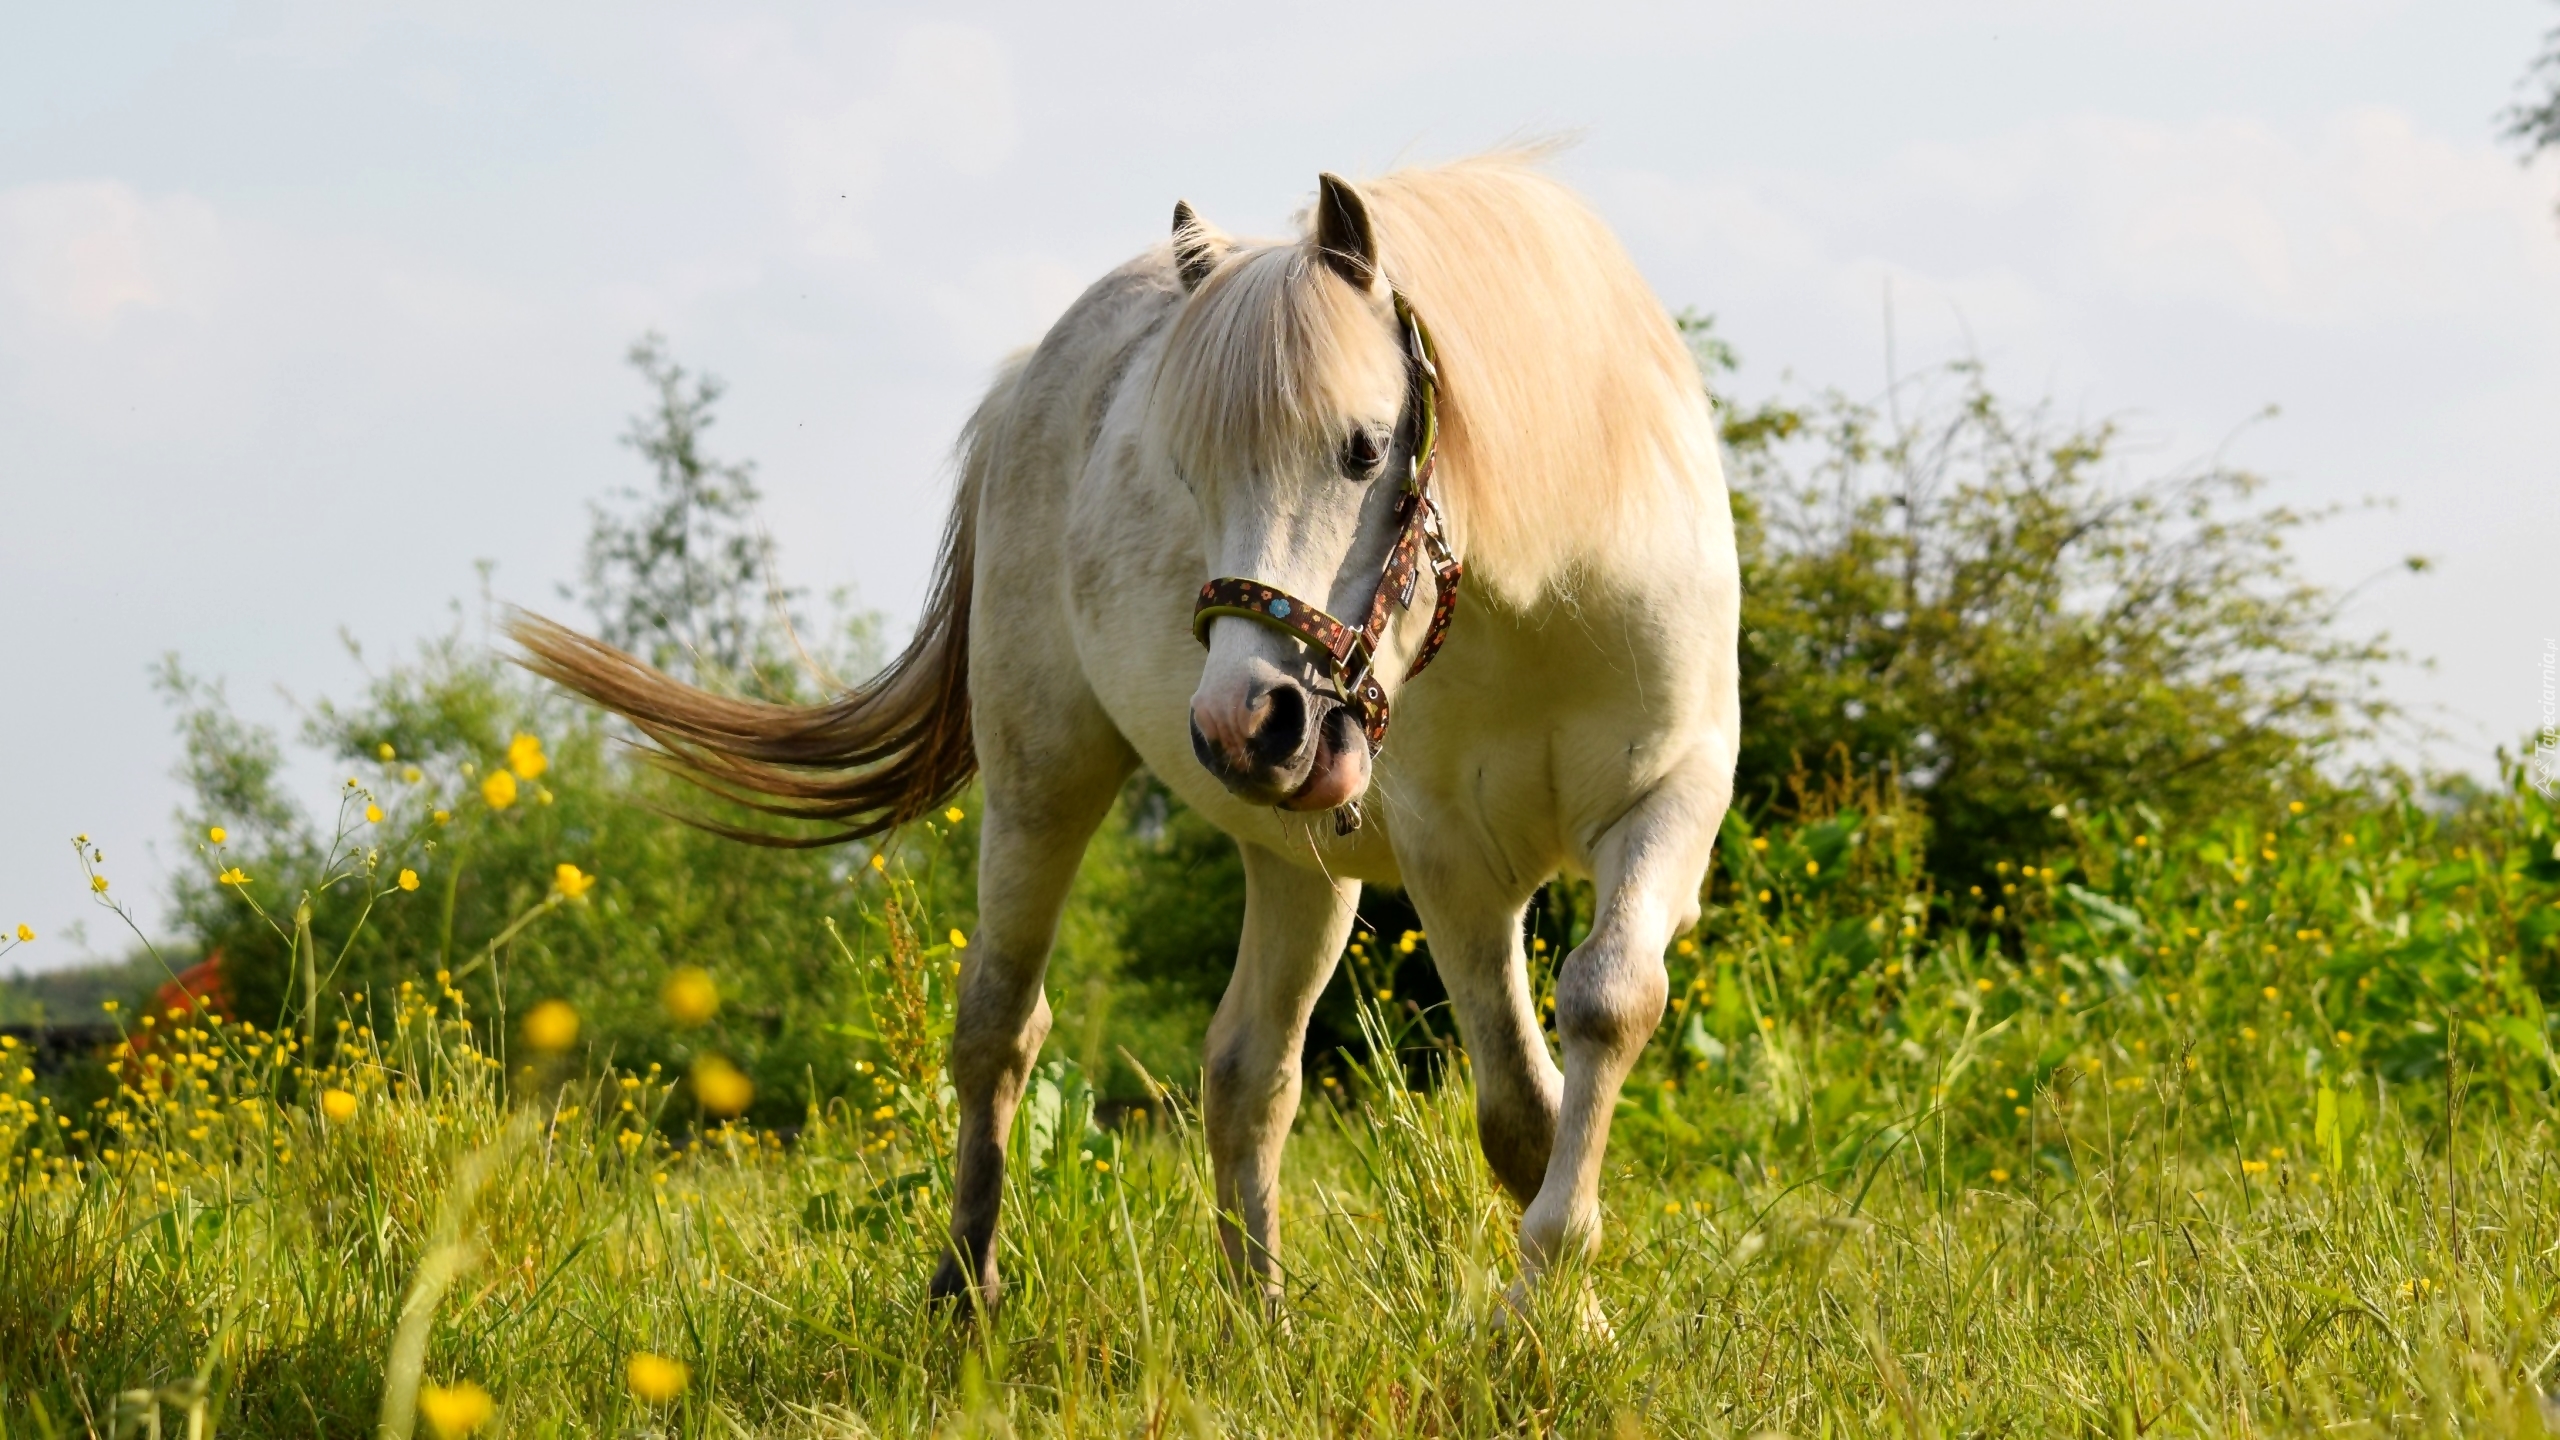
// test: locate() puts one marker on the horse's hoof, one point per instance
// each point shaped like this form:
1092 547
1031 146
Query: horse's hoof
952 1289
1584 1314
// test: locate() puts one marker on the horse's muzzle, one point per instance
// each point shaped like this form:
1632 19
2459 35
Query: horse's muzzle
1285 746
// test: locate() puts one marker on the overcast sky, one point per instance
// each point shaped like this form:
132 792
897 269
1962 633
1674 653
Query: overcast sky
304 309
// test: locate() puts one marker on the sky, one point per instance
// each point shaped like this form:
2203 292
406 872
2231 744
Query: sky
308 311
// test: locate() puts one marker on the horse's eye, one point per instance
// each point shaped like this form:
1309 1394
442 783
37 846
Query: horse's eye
1362 454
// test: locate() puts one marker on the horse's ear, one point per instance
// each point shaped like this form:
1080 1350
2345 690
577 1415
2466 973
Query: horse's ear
1343 236
1198 246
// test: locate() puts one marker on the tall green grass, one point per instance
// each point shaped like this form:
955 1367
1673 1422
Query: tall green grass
2240 1132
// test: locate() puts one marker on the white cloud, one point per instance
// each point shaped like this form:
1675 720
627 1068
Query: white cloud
81 256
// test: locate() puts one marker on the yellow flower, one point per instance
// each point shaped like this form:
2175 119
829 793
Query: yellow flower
441 816
26 934
1999 1177
408 879
372 814
386 752
98 883
338 1105
411 774
455 1410
551 1026
2295 807
722 1088
690 997
233 876
1984 985
959 941
499 789
880 862
525 757
217 834
571 881
953 815
655 1378
1813 867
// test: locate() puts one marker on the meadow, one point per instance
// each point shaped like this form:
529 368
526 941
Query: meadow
2234 1130
2078 1045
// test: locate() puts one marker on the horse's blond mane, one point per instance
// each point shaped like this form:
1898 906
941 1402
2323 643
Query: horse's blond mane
1572 417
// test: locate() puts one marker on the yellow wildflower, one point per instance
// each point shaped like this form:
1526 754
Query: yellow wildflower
455 1410
372 814
1813 867
98 883
2295 807
959 941
217 834
655 1378
880 862
571 881
408 879
1999 1177
26 934
441 816
1984 985
338 1105
233 876
722 1088
551 1026
690 997
525 757
411 774
954 815
499 789
386 752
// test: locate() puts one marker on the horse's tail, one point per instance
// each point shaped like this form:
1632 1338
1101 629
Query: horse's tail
875 757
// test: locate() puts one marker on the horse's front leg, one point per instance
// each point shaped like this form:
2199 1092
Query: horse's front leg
1611 991
1295 923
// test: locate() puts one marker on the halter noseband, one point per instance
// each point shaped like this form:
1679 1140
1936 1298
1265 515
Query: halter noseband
1351 655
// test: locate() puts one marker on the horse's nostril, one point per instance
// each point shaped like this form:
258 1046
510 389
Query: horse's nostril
1279 727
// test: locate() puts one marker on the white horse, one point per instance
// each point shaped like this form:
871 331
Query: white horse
1463 351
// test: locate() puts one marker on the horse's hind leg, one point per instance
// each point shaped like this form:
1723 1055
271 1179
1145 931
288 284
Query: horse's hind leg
1295 923
1045 795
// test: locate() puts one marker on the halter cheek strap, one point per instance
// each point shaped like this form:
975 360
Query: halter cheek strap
1351 655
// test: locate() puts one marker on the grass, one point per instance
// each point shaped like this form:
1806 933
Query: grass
2242 1133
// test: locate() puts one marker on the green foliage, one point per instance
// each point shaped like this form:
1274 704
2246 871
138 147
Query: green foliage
423 744
1958 591
2220 980
2534 122
677 577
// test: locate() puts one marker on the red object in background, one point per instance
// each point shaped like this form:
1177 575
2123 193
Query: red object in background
201 981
